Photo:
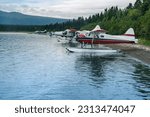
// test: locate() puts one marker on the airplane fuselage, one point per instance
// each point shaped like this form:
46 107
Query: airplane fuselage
107 39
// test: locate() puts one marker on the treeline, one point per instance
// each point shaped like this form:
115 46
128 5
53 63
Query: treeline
24 28
114 20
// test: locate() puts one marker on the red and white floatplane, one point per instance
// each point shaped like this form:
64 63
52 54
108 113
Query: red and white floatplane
99 36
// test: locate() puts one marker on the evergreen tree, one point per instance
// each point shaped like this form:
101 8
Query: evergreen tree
145 6
130 6
137 4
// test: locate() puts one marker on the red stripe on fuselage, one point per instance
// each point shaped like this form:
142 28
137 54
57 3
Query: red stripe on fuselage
103 41
131 35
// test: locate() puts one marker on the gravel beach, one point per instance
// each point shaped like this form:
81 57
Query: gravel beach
135 50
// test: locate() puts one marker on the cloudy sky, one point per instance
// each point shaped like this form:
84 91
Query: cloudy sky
61 8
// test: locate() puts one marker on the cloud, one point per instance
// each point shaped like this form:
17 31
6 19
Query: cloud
63 8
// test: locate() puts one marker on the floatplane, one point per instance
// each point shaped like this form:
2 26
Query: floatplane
99 36
41 32
65 36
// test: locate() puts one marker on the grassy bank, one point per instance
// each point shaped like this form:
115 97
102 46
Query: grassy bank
145 42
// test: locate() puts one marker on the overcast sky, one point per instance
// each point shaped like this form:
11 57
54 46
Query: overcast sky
61 8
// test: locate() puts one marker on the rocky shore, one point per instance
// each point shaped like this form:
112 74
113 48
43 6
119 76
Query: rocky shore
135 50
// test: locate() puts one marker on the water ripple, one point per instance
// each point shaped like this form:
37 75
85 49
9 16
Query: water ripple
38 67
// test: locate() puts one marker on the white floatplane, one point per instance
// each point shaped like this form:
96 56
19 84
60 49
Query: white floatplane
66 36
99 36
41 32
67 33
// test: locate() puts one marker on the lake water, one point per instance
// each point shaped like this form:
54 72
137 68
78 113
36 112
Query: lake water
38 67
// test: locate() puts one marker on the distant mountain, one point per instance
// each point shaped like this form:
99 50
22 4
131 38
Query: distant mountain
15 18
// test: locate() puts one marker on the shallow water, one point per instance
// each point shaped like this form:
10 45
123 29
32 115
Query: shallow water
38 67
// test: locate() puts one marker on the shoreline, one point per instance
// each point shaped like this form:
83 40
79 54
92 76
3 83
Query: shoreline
137 51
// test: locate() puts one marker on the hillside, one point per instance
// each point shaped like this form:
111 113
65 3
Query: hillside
15 18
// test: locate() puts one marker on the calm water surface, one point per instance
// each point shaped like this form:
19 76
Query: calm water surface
38 67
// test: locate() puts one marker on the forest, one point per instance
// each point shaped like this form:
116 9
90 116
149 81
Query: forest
114 20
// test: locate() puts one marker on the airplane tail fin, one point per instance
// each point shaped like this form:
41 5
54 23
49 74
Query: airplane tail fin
130 33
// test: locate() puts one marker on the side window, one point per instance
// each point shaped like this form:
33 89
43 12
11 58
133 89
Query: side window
102 36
